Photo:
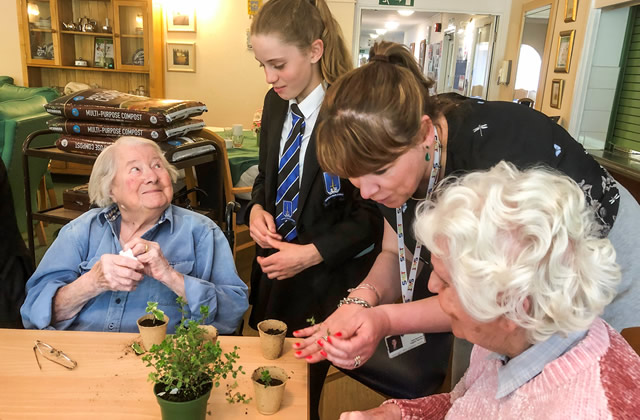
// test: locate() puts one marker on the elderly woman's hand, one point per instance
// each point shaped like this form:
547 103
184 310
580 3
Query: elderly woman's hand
351 333
116 273
386 412
155 264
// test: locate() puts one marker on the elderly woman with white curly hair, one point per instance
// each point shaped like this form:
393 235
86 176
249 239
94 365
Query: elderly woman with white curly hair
519 268
84 282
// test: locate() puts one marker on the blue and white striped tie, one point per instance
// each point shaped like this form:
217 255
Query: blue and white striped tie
289 178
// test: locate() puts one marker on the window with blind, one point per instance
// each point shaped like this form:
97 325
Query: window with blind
624 129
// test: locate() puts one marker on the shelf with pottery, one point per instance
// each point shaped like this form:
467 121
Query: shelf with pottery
115 44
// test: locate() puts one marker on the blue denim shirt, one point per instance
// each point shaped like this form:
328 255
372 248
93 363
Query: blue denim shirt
191 243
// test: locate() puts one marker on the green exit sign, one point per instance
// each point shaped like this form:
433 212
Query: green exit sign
395 2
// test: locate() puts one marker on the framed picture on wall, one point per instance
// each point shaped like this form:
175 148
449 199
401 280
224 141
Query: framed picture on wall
565 48
423 51
181 56
181 19
557 88
570 10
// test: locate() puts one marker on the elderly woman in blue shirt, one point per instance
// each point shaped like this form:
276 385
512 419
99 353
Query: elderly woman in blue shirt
85 283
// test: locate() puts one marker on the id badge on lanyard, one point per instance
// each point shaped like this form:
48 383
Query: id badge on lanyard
398 344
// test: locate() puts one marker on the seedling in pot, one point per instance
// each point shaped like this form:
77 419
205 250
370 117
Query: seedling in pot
158 315
266 379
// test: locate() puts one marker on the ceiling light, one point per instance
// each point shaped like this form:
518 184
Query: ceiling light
405 12
381 31
392 26
373 36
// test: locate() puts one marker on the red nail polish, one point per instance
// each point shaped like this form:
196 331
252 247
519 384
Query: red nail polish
329 340
309 357
320 343
323 353
296 332
338 334
296 345
299 352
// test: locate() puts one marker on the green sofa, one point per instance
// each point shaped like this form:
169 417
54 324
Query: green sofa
21 113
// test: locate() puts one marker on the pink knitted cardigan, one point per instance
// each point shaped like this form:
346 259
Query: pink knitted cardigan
599 378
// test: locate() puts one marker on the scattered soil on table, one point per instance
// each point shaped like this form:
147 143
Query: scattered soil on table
273 331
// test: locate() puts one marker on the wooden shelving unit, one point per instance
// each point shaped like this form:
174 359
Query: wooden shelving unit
49 49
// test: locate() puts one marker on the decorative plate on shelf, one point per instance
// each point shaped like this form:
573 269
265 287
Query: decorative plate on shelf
138 57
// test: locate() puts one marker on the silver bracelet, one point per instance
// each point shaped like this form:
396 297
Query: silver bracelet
366 286
355 301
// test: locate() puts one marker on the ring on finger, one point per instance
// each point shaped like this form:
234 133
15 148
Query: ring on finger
146 247
356 361
325 338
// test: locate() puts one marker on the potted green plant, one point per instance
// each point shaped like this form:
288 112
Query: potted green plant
268 386
153 325
186 367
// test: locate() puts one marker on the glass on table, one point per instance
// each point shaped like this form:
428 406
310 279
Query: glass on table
52 354
237 137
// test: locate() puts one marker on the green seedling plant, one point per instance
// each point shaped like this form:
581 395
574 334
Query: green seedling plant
152 308
186 363
265 376
311 321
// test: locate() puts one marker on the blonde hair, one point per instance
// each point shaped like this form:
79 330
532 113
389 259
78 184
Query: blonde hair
507 236
300 23
373 114
105 166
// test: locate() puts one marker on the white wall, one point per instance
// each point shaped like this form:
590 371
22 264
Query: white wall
603 78
10 64
228 78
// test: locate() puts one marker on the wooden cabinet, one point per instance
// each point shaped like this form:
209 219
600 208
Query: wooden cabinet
120 40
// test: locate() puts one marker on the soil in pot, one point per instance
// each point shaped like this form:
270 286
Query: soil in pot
273 331
274 382
152 322
179 408
181 396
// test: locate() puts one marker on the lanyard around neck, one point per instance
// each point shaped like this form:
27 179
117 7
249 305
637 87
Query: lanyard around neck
407 282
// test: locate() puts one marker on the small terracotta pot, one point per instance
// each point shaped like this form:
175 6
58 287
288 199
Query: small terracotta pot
152 335
269 398
210 333
271 344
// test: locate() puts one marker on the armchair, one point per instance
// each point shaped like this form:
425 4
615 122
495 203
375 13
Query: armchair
21 113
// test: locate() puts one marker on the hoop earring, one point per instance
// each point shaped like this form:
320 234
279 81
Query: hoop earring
427 157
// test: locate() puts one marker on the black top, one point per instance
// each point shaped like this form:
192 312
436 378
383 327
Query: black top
15 262
483 133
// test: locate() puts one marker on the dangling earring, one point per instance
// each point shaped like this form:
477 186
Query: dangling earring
427 157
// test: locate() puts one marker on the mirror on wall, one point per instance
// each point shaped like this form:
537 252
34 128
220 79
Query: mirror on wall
534 41
455 50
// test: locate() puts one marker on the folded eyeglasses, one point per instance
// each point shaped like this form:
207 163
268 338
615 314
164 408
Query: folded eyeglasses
52 354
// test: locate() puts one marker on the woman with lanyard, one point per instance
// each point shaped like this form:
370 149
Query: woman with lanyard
316 237
381 129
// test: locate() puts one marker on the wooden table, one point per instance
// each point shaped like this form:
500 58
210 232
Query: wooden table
110 381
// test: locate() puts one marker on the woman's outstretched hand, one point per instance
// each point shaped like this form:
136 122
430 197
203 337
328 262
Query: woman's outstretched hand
348 338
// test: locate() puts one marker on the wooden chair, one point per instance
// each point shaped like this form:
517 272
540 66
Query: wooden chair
242 240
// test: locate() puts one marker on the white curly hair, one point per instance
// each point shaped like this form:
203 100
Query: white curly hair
507 235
